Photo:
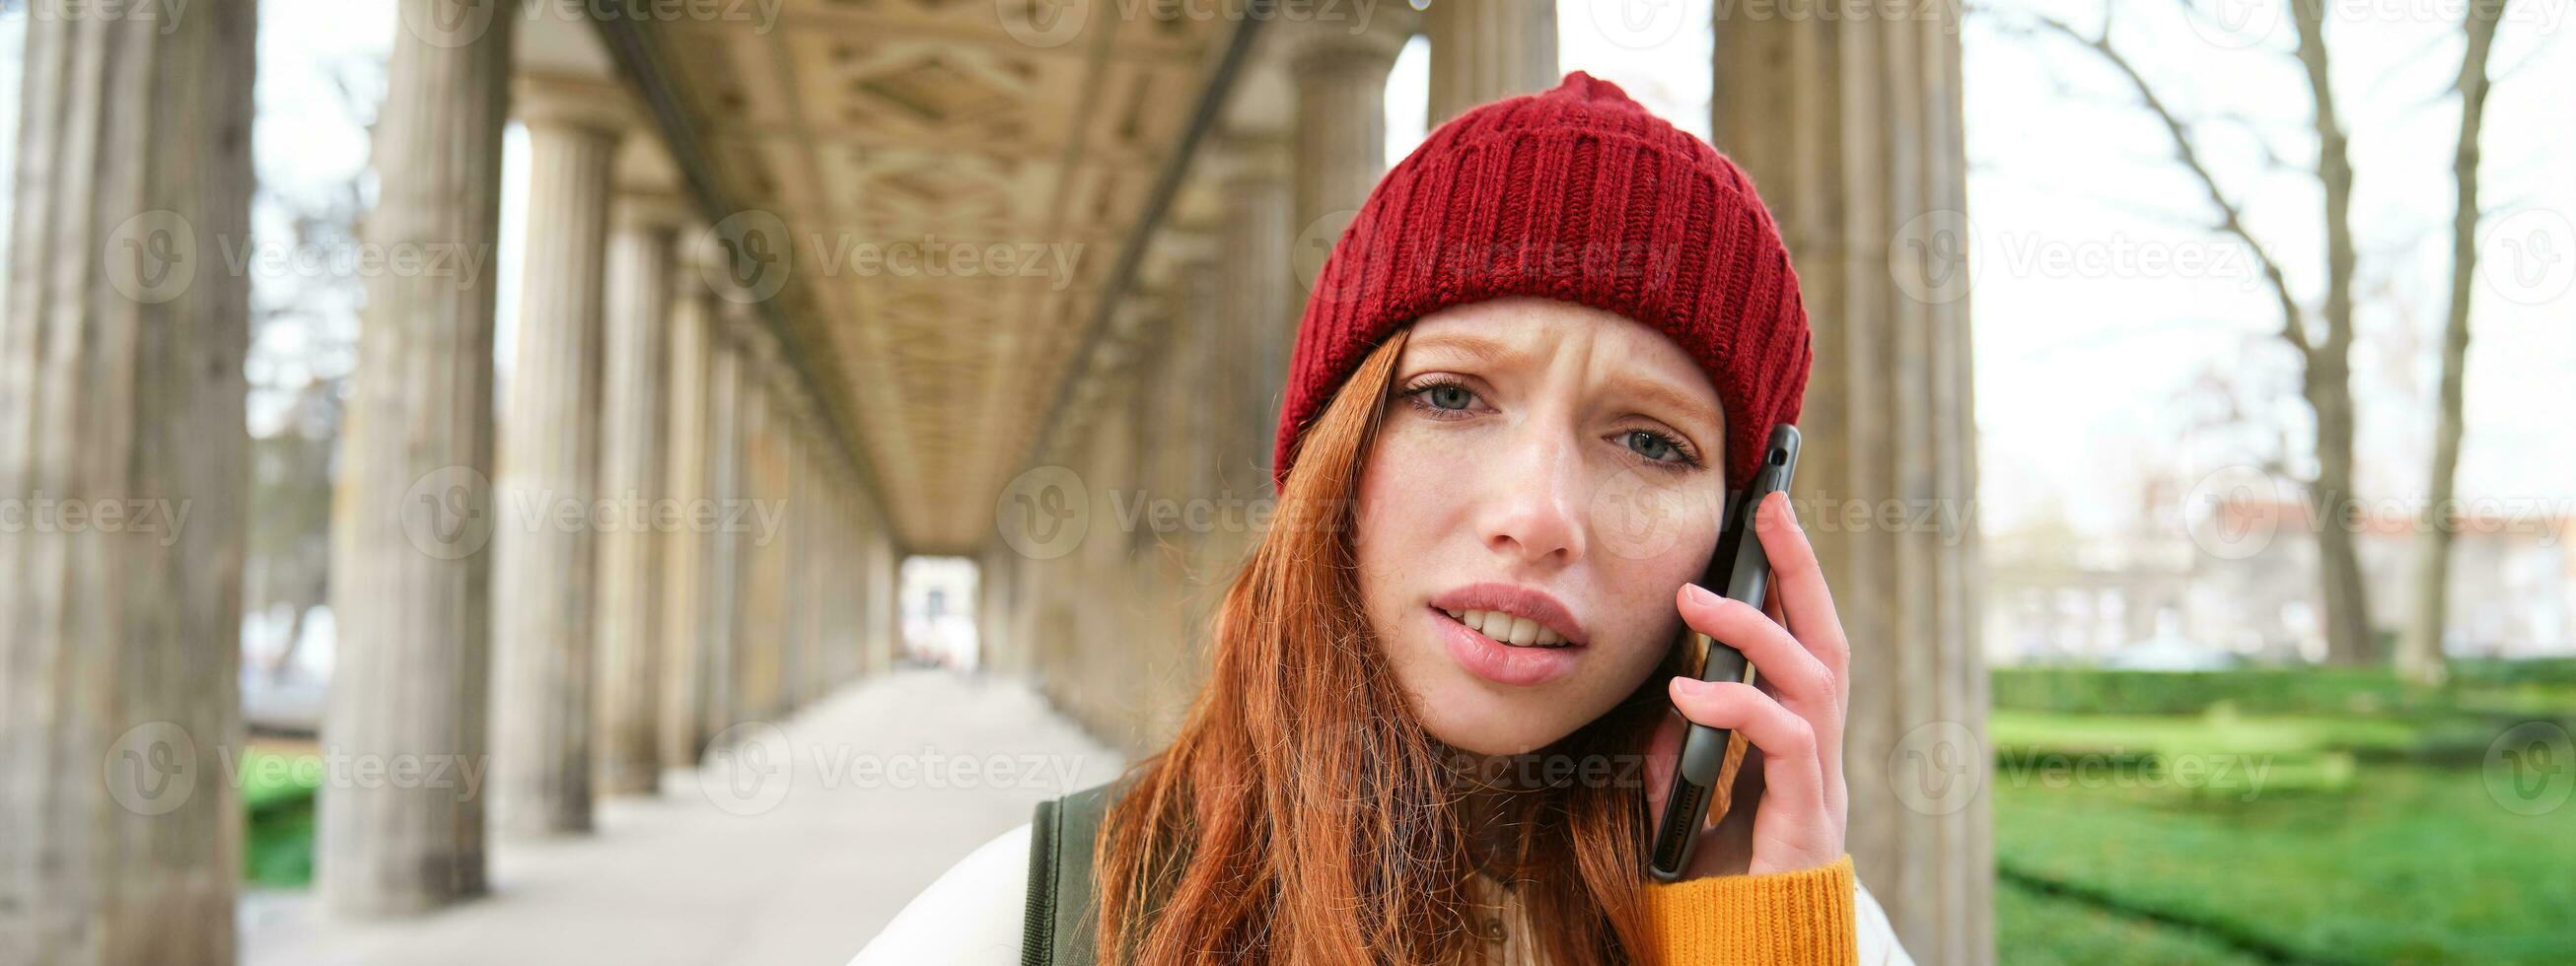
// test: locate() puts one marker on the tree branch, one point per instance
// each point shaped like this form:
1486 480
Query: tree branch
2231 218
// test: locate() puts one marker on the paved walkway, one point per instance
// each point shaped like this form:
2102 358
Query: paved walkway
892 781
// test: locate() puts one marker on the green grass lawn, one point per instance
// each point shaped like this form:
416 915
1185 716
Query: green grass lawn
2035 928
277 819
2398 862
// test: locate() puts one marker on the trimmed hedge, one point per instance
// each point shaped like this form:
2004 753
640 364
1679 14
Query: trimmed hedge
2544 687
2557 672
2319 690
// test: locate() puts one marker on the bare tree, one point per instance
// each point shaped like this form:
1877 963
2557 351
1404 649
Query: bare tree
2419 651
2321 338
304 326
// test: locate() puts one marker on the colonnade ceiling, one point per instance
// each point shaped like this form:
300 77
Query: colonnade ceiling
953 182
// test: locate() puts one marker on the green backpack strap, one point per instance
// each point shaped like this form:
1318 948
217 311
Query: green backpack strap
1063 913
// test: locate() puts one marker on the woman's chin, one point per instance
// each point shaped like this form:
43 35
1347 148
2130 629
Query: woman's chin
1488 727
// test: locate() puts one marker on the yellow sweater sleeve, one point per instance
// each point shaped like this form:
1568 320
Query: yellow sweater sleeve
1781 917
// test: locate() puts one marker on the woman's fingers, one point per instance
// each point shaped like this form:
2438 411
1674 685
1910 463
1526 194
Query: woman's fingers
1790 766
1780 658
1800 583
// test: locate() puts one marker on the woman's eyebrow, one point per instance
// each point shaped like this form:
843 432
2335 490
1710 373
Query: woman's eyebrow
1658 394
1482 348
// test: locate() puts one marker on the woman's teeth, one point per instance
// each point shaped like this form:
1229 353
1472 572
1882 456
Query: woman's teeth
1507 629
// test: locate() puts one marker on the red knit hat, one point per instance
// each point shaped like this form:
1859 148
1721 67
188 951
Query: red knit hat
1576 194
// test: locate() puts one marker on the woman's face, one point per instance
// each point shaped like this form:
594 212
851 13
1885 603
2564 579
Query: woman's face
1545 477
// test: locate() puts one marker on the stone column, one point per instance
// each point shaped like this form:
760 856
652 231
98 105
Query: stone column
124 454
1262 282
545 556
813 569
823 569
850 570
723 594
1203 560
633 431
996 613
686 569
1340 127
414 513
885 590
1337 153
1487 50
1186 368
1851 129
795 536
756 574
843 568
777 587
865 540
823 572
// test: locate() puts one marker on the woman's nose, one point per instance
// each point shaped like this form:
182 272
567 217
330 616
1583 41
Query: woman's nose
1534 499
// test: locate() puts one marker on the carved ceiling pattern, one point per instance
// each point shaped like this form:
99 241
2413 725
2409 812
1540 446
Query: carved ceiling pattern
926 127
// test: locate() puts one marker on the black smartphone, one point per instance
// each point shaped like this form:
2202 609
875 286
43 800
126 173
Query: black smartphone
1740 566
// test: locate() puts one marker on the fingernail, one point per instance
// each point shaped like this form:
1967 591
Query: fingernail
1700 595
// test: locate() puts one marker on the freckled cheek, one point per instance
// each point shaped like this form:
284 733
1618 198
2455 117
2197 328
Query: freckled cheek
1402 514
1410 480
1639 592
1641 597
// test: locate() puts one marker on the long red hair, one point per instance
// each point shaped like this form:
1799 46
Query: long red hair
1303 815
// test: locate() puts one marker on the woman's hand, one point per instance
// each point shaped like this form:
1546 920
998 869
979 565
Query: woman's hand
1792 715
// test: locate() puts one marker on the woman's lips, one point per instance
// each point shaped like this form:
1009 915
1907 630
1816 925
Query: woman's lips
1518 601
1502 663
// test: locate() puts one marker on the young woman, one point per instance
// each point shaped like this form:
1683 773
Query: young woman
1446 687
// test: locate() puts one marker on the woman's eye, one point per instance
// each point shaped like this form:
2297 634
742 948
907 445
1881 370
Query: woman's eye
1652 445
1449 397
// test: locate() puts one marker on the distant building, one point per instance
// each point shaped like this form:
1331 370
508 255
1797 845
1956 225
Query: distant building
2241 579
